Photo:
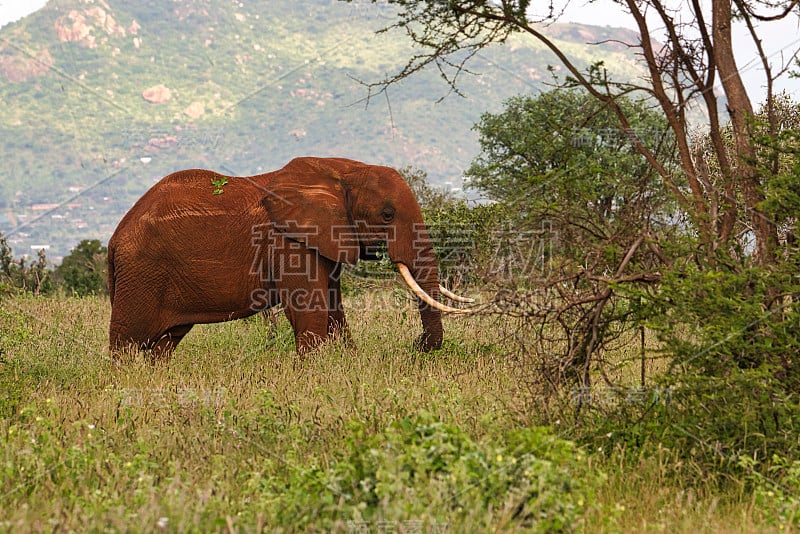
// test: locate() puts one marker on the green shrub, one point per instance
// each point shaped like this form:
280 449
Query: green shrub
422 468
776 492
730 336
19 275
83 271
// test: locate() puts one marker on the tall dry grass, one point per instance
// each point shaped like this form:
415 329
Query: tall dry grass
214 437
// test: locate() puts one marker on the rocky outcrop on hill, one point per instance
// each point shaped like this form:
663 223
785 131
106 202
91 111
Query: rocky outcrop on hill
18 67
80 26
158 94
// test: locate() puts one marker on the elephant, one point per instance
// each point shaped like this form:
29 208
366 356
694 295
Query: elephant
200 247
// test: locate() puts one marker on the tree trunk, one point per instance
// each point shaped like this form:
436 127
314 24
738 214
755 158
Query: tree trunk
741 113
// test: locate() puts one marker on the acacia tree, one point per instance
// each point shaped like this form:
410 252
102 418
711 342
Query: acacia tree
696 57
560 160
561 156
725 311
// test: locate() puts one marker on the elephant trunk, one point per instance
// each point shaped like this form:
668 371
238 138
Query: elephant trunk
428 279
419 264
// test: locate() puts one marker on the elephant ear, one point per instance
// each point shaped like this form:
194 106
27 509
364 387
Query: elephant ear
308 203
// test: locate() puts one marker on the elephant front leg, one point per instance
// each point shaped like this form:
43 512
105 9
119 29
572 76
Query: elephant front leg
337 323
305 296
310 328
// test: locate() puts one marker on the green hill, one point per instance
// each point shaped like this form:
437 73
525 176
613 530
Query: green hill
100 98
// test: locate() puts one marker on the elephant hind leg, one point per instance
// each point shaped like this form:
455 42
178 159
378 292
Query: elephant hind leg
124 337
127 336
169 340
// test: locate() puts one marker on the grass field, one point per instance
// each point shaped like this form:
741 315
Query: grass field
236 433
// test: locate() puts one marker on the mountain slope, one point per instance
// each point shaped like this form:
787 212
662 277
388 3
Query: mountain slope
100 98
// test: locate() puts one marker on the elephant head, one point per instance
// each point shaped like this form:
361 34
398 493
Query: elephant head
347 210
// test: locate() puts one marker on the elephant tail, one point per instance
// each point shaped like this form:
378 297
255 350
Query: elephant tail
111 249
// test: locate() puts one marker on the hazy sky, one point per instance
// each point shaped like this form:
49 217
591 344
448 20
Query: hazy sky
782 37
781 40
11 10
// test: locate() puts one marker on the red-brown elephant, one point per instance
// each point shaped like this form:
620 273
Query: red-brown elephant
200 247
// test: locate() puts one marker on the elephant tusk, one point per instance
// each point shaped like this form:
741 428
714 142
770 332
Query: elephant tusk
419 292
452 296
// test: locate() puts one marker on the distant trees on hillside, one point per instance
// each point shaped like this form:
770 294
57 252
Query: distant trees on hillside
81 273
20 275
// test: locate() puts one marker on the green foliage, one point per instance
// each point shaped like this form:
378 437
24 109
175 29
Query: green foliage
582 213
728 340
731 334
83 272
465 238
560 161
417 468
775 492
421 467
464 233
733 337
564 154
218 185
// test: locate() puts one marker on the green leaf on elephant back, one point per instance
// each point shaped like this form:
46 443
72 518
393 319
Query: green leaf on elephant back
218 184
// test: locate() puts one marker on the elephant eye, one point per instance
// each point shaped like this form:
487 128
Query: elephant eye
387 214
